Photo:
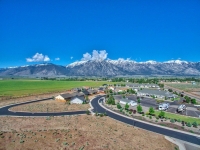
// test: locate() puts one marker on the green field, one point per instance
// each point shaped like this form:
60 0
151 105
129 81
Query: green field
185 86
17 88
181 117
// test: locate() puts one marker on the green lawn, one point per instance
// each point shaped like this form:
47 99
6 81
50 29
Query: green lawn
15 88
181 117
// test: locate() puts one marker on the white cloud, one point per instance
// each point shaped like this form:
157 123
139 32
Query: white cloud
71 57
96 55
38 57
57 58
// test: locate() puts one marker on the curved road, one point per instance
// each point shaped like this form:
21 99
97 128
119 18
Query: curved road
185 137
4 111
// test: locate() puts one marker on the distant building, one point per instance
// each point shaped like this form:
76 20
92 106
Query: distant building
77 100
157 93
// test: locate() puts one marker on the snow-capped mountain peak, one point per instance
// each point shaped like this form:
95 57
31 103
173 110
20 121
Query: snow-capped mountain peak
77 63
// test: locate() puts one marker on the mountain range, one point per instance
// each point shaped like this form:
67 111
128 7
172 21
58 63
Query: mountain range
118 67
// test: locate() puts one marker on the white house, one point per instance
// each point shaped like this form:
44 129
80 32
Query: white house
129 102
111 88
77 100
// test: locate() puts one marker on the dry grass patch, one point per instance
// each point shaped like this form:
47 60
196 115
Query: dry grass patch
76 132
50 106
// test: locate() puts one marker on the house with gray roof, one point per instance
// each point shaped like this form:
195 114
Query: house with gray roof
157 93
137 85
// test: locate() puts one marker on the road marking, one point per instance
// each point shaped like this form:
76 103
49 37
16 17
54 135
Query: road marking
196 113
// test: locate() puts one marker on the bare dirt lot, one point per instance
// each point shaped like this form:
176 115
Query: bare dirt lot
50 106
76 132
27 98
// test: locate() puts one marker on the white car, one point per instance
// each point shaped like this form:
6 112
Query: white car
181 108
163 106
133 103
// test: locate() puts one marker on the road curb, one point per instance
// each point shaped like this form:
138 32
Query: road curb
179 144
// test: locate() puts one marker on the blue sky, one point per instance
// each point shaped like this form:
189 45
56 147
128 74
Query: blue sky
140 30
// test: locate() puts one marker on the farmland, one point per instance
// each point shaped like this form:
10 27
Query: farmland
20 88
188 87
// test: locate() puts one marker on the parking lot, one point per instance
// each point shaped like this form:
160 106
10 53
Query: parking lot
149 102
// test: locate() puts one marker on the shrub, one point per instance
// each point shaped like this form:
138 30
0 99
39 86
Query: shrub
105 114
139 108
195 124
21 141
88 112
150 117
65 143
119 106
101 115
178 120
161 114
142 114
172 120
96 113
126 106
151 110
193 101
188 124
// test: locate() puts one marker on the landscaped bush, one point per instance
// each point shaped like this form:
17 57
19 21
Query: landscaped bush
119 106
188 124
139 108
172 120
193 101
161 114
151 111
101 115
195 124
126 106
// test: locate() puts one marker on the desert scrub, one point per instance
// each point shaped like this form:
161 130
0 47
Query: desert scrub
21 141
65 143
172 120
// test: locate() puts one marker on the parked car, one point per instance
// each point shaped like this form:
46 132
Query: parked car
181 108
133 103
163 106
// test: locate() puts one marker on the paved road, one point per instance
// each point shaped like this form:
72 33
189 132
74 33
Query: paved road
4 111
170 133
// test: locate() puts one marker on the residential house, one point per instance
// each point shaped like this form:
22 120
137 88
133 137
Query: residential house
77 100
127 101
68 96
156 93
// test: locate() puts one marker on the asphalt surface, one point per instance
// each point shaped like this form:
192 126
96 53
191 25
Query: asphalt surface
4 111
170 133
